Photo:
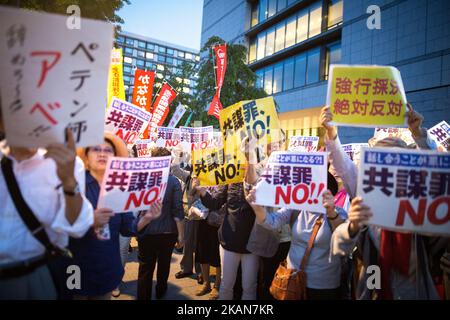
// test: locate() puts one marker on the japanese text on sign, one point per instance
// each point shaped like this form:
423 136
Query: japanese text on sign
299 143
440 133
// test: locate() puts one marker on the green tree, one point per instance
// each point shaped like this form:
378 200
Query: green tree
239 82
93 9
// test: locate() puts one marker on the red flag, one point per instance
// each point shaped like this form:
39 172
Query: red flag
161 106
143 89
221 67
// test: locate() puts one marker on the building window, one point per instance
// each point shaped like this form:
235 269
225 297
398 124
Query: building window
252 51
261 46
126 69
259 78
149 55
279 37
291 24
140 63
120 39
188 56
315 19
159 75
160 67
268 76
302 26
170 52
335 9
278 78
126 79
162 50
288 75
129 42
272 8
281 5
254 17
312 73
300 70
150 65
262 10
161 58
128 51
181 54
333 56
169 60
141 44
197 58
150 46
128 60
270 42
141 54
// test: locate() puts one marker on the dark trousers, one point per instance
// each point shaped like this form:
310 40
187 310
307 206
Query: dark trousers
154 249
268 267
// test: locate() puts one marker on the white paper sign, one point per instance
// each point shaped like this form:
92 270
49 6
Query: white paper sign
440 133
407 190
53 77
133 184
177 115
353 150
293 180
168 137
195 138
144 148
126 120
303 144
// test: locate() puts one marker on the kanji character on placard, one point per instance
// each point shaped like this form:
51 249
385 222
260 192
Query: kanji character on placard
78 128
276 175
380 86
394 108
394 87
341 107
200 167
138 181
250 111
228 128
364 82
238 119
81 46
343 86
301 175
378 179
267 174
439 184
47 115
115 117
401 188
417 186
377 108
285 175
161 134
155 179
15 33
212 161
80 74
45 65
439 134
127 122
360 107
116 179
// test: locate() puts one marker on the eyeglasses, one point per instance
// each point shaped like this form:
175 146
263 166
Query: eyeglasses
104 150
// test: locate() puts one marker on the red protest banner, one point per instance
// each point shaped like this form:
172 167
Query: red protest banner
161 106
143 89
220 52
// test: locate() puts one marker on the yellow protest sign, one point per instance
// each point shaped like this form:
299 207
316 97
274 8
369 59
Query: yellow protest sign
366 96
115 77
214 166
257 118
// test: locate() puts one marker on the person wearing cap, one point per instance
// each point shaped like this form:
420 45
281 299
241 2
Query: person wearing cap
404 259
51 182
99 257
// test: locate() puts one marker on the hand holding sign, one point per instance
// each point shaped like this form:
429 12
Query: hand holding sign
415 120
64 156
358 215
102 216
325 118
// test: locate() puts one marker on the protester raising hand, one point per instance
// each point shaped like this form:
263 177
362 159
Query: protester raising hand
325 118
415 120
358 215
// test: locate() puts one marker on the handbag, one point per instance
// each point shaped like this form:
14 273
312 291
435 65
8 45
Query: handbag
290 284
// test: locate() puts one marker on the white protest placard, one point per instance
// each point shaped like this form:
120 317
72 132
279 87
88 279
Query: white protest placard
293 180
53 77
440 133
407 190
303 144
144 148
126 120
401 133
195 138
132 184
167 137
353 150
177 115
